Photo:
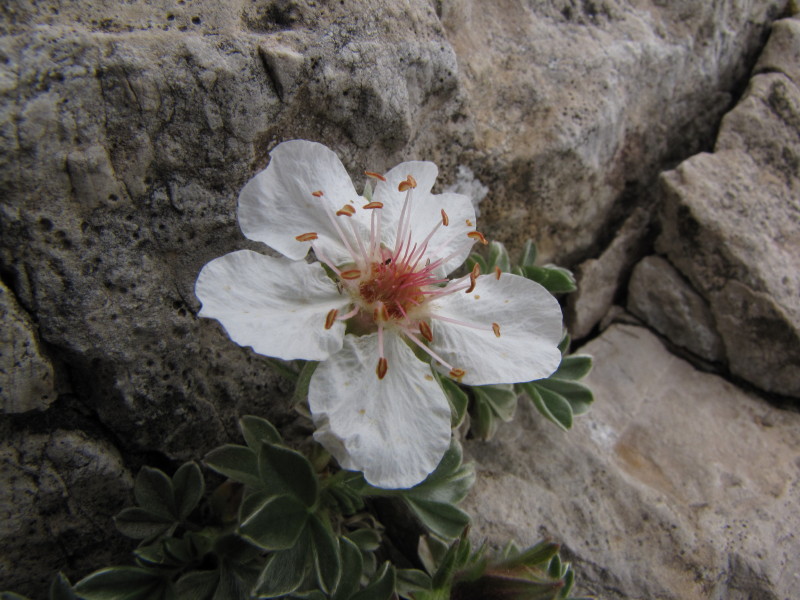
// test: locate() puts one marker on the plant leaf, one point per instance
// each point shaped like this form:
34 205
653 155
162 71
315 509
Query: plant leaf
276 524
140 524
153 492
551 405
456 397
573 367
498 257
555 279
303 382
441 518
576 394
256 430
124 583
501 398
352 567
60 589
188 487
284 471
197 585
381 588
528 258
285 570
327 560
237 462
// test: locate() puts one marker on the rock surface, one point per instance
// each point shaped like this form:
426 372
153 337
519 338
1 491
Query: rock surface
731 225
26 376
659 296
676 485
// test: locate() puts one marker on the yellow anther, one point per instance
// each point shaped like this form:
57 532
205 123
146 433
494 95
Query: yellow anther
331 318
306 237
348 210
496 329
473 277
317 194
445 219
374 175
351 274
425 330
382 368
373 204
478 236
407 184
457 374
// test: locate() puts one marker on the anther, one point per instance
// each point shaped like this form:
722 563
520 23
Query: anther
351 274
478 236
317 194
382 368
306 237
497 272
348 210
457 374
331 318
407 184
425 330
496 329
473 277
373 204
374 175
445 219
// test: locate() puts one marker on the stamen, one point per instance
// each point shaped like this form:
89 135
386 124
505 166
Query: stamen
478 236
317 194
425 330
352 313
457 374
351 274
445 219
496 329
432 354
373 204
407 184
473 277
382 368
348 210
497 272
462 323
306 237
374 175
331 318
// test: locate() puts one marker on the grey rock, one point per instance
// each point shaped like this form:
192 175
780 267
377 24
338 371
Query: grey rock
599 279
26 375
782 52
730 226
676 485
663 299
58 491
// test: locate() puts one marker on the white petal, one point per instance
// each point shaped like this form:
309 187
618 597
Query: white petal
394 429
277 204
530 329
425 214
272 304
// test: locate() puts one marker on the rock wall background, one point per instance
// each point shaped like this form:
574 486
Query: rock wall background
128 129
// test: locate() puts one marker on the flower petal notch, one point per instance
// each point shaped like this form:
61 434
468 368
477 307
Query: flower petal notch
375 305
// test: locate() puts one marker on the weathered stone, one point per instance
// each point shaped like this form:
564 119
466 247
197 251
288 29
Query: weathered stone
782 52
663 299
26 376
58 491
676 485
730 225
599 279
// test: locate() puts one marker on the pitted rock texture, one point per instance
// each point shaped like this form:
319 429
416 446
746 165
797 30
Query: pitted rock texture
731 225
676 485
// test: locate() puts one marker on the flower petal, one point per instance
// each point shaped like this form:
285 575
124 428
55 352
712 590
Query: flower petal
425 214
272 304
278 203
529 323
394 429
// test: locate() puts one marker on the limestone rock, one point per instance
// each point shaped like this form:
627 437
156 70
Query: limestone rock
58 491
730 225
782 52
599 279
659 296
26 376
676 485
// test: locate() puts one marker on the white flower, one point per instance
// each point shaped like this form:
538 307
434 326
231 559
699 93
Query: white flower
381 311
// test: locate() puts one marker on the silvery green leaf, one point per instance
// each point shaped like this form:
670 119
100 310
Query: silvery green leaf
576 394
327 560
197 585
528 258
501 398
381 588
140 524
276 524
300 395
125 583
189 487
153 492
352 567
441 518
237 462
256 430
367 540
556 280
573 367
284 471
498 257
551 405
457 398
60 589
285 570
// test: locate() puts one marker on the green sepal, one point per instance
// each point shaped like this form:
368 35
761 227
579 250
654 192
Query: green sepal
352 567
382 587
573 367
188 488
61 589
256 430
327 560
498 257
563 345
140 524
555 280
236 462
125 583
528 257
555 568
276 524
153 491
493 585
284 471
450 481
285 570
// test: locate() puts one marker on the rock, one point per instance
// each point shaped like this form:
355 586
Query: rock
676 485
58 491
782 52
599 279
659 296
26 376
730 226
